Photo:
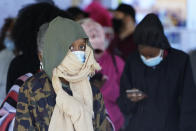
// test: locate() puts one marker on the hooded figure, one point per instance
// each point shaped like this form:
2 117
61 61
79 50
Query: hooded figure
61 93
157 88
65 64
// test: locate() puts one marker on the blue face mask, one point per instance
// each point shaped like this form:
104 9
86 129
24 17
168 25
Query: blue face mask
9 44
80 55
153 61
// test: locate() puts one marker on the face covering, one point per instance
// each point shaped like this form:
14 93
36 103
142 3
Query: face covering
80 55
117 25
9 44
74 113
153 61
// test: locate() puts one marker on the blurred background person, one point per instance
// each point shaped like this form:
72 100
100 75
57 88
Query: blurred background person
7 49
76 13
100 14
157 85
108 79
8 106
24 35
124 25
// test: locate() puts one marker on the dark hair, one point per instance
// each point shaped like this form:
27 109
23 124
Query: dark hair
76 12
150 32
127 10
7 25
45 1
30 18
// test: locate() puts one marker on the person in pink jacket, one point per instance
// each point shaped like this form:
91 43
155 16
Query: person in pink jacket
112 67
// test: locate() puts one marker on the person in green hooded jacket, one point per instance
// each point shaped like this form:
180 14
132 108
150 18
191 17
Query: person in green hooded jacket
39 96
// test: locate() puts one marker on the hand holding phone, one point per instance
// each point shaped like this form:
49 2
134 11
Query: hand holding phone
135 95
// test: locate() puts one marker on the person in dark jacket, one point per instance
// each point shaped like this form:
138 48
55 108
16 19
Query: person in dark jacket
157 86
123 24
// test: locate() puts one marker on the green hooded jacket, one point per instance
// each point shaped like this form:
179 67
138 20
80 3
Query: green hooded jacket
60 34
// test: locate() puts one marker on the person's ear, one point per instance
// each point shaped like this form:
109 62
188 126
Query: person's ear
127 19
40 56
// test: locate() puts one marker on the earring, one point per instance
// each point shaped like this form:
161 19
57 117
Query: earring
41 66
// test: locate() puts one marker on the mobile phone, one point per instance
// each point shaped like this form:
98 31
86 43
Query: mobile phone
132 91
135 91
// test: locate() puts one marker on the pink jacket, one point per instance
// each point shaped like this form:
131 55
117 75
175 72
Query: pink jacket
111 88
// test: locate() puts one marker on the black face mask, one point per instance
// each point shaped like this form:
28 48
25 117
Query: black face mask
117 25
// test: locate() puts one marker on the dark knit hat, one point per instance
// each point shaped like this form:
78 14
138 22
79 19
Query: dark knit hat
150 32
75 11
127 9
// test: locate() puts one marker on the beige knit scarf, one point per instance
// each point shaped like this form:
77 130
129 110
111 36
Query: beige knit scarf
74 113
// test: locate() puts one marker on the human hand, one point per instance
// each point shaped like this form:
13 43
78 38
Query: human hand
135 95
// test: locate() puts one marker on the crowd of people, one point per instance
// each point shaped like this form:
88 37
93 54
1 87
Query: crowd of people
93 70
